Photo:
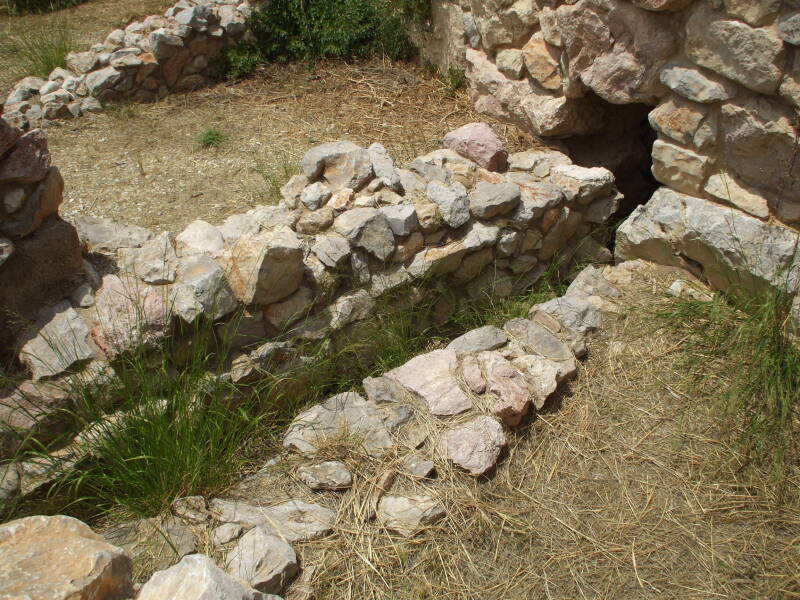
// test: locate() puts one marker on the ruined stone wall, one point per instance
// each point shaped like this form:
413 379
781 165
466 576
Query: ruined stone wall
723 77
146 61
350 228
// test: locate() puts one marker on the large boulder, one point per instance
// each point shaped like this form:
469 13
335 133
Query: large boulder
61 558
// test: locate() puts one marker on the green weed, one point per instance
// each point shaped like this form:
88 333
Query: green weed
455 80
211 136
23 7
39 50
276 173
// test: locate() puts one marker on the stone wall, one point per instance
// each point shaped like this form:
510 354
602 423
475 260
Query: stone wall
351 227
723 77
146 61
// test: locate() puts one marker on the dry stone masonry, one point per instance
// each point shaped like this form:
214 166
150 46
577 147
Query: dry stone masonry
147 60
721 77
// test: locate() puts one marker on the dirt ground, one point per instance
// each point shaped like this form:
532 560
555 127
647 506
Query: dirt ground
142 164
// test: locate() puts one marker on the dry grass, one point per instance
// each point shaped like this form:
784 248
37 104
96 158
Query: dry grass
624 488
91 23
141 164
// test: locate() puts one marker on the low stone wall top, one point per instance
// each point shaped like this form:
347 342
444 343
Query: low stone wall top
724 77
351 227
146 61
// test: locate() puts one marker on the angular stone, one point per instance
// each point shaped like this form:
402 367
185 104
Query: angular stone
340 164
59 341
343 415
128 314
544 376
8 136
752 57
678 167
409 514
433 378
247 368
479 143
315 195
60 558
508 386
583 184
542 62
489 200
789 28
201 289
154 262
383 166
82 62
28 161
264 561
200 236
452 201
196 577
418 466
103 236
288 311
292 521
472 373
42 202
510 63
329 475
102 80
402 218
331 250
487 337
678 119
9 483
697 85
725 187
312 222
226 533
265 267
476 445
367 228
672 226
382 390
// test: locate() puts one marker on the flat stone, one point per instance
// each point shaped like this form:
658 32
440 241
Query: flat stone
344 415
537 339
476 445
432 377
417 466
59 341
478 142
583 184
33 565
472 374
487 337
200 237
409 514
490 200
331 250
161 542
329 475
264 561
453 202
340 164
697 85
196 577
226 533
382 390
103 236
292 521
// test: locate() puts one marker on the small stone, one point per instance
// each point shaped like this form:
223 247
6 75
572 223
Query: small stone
697 85
330 475
82 296
402 218
315 195
489 200
487 337
453 202
476 445
418 466
265 561
200 236
191 509
479 143
293 521
410 514
680 288
196 577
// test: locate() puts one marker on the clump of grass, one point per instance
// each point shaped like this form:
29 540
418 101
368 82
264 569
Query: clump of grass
454 80
39 50
211 136
276 173
756 367
120 110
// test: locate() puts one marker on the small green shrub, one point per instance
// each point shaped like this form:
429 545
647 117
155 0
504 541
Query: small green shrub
40 50
22 7
238 61
211 137
309 30
276 173
455 80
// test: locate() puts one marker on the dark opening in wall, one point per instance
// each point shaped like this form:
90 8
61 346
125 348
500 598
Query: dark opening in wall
624 147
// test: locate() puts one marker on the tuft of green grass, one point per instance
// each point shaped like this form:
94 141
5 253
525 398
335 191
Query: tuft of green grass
742 340
454 80
39 50
276 173
211 137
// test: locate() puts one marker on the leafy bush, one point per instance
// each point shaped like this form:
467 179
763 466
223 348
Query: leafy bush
238 61
18 7
40 50
313 29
